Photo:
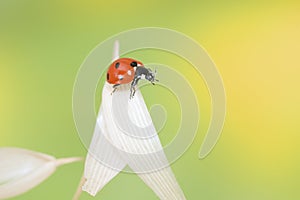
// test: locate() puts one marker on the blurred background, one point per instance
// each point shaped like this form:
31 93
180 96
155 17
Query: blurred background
255 45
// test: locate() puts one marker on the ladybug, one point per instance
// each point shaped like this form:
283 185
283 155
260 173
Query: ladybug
122 71
126 70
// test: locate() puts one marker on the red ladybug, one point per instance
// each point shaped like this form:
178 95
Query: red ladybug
126 70
122 71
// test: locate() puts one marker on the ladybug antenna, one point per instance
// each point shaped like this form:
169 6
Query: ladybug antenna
153 74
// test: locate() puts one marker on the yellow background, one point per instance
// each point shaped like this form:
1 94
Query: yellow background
255 45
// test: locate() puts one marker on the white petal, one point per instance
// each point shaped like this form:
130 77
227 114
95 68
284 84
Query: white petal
111 149
142 150
96 173
21 170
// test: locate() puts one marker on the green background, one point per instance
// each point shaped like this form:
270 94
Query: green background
255 45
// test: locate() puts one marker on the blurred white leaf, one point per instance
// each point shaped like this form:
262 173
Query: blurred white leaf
21 169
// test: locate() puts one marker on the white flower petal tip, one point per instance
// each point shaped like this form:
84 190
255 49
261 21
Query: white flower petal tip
116 51
21 169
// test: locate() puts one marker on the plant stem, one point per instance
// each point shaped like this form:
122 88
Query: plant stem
79 188
63 161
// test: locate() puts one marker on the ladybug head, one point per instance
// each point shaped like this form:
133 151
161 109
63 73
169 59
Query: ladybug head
150 76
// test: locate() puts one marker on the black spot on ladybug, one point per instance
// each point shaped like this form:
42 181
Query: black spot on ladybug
107 76
133 64
117 65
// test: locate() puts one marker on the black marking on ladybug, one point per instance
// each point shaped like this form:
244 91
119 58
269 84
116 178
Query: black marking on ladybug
133 64
107 76
117 65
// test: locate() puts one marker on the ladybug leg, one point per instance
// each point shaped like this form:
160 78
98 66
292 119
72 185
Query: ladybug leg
132 88
132 92
115 88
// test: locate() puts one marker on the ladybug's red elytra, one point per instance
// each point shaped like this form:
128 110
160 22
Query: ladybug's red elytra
121 71
126 70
